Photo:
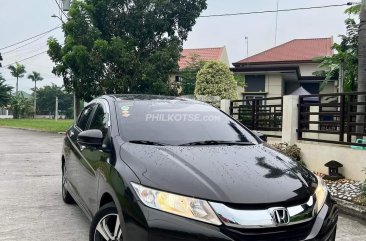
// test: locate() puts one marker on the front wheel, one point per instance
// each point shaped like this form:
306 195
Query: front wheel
106 225
333 238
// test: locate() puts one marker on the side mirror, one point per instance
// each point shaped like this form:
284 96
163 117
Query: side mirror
261 135
91 139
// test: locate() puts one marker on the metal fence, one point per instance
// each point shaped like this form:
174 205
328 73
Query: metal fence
264 114
333 118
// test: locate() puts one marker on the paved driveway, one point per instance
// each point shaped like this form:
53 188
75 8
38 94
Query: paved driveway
30 193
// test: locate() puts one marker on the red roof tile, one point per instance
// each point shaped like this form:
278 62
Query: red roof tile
205 54
295 50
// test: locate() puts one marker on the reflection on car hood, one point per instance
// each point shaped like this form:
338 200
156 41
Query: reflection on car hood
228 174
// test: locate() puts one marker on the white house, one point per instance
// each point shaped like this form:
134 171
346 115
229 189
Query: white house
284 69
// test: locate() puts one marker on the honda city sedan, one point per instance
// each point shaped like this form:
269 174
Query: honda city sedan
153 168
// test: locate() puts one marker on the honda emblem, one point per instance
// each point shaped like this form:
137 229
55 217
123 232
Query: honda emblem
281 216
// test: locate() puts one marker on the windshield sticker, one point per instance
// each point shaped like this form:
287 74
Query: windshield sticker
125 113
125 108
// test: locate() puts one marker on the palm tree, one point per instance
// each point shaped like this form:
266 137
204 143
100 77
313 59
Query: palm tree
17 71
35 76
361 86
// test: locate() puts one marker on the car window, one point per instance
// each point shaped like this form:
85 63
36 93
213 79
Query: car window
99 120
84 118
177 123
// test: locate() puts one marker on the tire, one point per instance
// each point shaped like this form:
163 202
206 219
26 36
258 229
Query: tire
333 238
66 196
106 225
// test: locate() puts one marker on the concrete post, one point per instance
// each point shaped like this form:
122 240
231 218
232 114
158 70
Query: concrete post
225 106
56 109
290 119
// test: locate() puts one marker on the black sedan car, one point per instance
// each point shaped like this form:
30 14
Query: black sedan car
153 168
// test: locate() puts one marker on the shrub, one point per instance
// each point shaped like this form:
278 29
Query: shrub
21 107
292 151
216 79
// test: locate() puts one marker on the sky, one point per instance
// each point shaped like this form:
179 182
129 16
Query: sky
21 19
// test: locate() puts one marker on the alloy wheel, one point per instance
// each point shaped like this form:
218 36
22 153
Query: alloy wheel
108 229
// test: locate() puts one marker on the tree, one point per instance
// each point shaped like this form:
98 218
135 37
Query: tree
47 101
240 80
18 71
21 106
35 76
355 9
5 95
346 56
123 46
1 59
361 86
216 79
189 74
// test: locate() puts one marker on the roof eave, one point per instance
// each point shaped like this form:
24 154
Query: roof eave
238 64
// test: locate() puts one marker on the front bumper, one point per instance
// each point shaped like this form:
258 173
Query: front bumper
160 226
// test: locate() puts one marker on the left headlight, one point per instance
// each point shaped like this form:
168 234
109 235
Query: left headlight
175 204
321 194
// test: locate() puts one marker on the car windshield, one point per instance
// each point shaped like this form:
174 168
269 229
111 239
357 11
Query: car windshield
178 122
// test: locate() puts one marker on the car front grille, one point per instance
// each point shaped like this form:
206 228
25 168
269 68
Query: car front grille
289 233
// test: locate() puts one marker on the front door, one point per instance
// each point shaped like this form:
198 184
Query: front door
73 161
92 159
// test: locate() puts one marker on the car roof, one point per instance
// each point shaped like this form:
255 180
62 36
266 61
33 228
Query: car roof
138 97
152 98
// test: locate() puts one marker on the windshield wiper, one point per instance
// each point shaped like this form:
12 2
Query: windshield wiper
151 143
217 143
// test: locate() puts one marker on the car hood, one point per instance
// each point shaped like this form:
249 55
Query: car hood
228 174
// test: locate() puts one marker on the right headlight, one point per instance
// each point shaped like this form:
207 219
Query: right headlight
321 194
176 204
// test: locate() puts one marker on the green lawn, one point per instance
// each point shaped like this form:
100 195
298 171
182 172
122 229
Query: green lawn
38 124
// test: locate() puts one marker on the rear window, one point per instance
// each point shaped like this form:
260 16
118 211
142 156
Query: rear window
177 123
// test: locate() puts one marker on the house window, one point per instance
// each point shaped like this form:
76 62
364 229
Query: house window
177 78
255 83
312 88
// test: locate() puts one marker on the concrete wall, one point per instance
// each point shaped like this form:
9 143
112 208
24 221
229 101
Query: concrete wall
316 155
49 117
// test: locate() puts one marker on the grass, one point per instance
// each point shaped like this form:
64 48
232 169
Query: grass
37 124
